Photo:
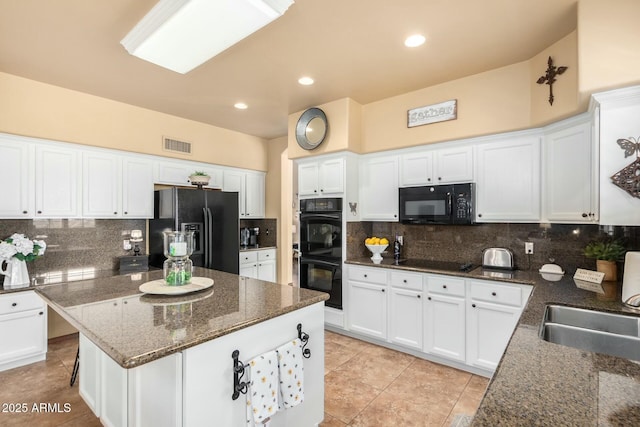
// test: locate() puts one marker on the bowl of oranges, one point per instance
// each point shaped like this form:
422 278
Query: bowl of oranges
376 245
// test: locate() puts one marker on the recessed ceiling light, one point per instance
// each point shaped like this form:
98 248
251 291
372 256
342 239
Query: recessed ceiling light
240 105
306 81
414 40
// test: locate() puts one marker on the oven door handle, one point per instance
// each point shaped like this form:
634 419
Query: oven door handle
319 262
309 216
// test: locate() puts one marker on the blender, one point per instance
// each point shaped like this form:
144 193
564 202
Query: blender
178 268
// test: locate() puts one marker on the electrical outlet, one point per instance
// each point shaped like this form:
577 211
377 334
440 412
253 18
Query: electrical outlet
528 248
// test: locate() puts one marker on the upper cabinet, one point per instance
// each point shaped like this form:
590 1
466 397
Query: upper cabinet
437 166
18 199
508 179
379 188
250 187
570 173
57 175
321 178
115 186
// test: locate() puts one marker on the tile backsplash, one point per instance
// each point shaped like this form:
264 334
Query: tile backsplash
563 243
268 230
76 243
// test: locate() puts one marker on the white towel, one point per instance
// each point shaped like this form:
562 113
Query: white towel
631 278
262 397
291 374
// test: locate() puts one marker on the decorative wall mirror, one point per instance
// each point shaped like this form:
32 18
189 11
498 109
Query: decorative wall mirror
312 128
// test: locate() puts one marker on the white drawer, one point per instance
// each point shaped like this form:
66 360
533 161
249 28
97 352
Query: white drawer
495 292
445 285
20 301
406 280
368 275
248 257
266 255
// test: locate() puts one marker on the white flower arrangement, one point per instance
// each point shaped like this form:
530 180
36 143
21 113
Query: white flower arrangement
21 247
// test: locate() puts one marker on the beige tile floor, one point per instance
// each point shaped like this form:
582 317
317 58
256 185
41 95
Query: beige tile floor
365 385
368 385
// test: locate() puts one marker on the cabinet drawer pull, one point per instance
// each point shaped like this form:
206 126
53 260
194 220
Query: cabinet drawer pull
39 212
419 296
473 305
494 294
41 313
126 213
24 212
439 178
383 290
405 280
479 215
14 304
584 215
115 213
365 275
444 286
429 298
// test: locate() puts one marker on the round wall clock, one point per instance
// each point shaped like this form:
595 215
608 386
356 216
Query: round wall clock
312 128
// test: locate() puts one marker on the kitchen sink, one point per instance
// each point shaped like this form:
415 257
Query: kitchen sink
591 330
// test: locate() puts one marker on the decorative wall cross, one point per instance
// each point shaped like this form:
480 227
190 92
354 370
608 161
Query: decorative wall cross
550 77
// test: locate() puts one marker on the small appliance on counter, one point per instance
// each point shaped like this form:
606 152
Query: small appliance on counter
245 236
254 232
498 258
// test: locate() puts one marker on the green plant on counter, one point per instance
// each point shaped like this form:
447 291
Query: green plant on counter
607 250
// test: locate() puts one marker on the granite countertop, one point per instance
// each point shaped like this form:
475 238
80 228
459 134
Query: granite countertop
255 248
134 328
541 383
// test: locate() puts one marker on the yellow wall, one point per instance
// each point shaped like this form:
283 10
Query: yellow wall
40 110
608 45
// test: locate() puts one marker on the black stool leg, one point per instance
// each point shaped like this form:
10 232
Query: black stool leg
76 365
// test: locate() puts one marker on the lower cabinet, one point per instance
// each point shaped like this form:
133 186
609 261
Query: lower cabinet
259 264
23 329
466 321
444 315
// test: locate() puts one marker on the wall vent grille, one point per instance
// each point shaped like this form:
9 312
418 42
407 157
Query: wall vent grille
171 144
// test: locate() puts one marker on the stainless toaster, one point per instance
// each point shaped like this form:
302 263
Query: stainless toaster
498 258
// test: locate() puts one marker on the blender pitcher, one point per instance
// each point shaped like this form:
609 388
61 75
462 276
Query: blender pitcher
178 246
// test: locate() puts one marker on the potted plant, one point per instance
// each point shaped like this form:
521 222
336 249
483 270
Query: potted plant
199 178
606 253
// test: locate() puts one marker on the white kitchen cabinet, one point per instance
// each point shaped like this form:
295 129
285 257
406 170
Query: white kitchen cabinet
508 179
18 199
116 186
89 373
321 178
570 177
250 187
23 329
406 318
57 181
493 310
379 188
258 264
437 166
367 304
444 317
173 173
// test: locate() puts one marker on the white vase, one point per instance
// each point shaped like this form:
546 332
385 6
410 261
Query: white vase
15 272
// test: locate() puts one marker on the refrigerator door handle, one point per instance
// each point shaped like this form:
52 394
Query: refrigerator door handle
207 249
209 237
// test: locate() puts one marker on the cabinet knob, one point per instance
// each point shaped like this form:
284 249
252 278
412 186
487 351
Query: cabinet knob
39 212
473 305
429 179
479 215
322 190
419 296
365 275
493 294
439 178
315 191
14 304
24 212
115 303
41 313
444 286
584 215
126 213
383 290
429 298
395 216
405 280
115 213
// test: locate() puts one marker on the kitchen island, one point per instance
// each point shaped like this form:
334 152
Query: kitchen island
167 360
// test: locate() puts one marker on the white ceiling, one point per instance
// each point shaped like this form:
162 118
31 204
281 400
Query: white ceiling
352 48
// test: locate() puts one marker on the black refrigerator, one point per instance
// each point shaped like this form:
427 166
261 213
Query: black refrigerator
211 215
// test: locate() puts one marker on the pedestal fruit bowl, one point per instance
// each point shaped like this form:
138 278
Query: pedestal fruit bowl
376 246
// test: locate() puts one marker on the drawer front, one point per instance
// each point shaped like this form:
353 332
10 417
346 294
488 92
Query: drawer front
248 257
20 301
496 293
266 255
445 285
406 280
368 275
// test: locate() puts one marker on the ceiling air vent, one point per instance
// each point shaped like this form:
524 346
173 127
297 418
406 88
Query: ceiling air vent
171 144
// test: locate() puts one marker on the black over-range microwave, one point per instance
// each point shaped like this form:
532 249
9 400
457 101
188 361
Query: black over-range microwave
438 204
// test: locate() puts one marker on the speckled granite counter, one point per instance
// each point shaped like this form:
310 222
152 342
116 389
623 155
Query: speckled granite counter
541 383
255 248
134 329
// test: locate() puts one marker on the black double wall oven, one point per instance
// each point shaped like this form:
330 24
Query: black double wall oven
321 247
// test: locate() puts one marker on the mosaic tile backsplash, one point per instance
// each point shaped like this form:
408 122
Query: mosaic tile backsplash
563 243
76 243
